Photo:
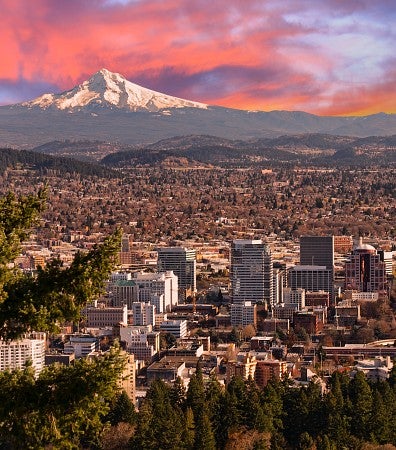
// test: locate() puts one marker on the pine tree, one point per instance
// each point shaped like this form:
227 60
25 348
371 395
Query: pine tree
64 406
361 405
122 410
56 294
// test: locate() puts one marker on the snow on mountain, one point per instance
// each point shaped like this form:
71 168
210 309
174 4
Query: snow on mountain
110 89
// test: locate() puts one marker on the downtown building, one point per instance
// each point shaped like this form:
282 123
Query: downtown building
182 262
251 272
16 354
365 271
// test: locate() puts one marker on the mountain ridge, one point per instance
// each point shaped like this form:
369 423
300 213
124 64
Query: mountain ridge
109 108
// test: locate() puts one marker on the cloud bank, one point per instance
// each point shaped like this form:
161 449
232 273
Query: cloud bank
329 57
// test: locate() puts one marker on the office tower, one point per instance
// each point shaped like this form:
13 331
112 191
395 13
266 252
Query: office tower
182 262
251 272
311 278
365 271
159 289
317 251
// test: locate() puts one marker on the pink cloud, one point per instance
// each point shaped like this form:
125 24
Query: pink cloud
63 43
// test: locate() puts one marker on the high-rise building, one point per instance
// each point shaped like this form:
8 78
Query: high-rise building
365 271
317 251
159 289
182 262
143 314
15 354
311 278
251 272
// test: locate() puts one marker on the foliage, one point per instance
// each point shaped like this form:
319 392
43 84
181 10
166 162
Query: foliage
64 406
10 158
351 414
57 293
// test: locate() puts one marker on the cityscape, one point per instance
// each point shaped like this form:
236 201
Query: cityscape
197 225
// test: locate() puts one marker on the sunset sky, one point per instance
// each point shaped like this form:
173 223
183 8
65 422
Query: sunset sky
334 57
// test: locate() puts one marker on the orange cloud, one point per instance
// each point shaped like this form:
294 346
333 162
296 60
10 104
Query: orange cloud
241 54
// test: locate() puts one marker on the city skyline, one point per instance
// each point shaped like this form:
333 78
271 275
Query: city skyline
331 57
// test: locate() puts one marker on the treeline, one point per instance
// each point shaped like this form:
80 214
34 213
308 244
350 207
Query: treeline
352 414
11 159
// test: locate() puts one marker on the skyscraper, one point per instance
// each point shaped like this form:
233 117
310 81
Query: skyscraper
251 272
365 271
183 263
317 251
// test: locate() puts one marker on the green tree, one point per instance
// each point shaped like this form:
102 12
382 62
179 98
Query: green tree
64 406
361 406
56 294
204 436
122 410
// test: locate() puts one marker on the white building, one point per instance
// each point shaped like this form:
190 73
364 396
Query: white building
81 345
15 354
159 289
251 272
176 327
143 314
141 341
243 314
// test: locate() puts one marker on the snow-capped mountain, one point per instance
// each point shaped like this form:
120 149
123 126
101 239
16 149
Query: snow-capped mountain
108 89
109 108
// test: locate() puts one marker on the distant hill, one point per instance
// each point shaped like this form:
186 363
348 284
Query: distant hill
11 159
304 149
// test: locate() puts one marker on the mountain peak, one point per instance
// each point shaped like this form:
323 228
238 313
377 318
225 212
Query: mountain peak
107 89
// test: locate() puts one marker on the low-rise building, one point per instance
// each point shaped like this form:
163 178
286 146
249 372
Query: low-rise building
176 327
269 369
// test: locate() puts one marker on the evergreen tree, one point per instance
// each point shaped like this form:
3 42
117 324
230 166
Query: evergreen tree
144 437
56 294
122 410
196 393
64 406
361 405
189 430
204 436
166 421
178 393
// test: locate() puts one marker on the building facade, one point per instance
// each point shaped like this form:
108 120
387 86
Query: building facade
182 262
365 271
251 272
15 354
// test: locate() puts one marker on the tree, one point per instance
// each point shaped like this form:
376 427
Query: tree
64 406
56 294
361 398
123 410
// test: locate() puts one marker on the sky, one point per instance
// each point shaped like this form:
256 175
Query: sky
327 57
